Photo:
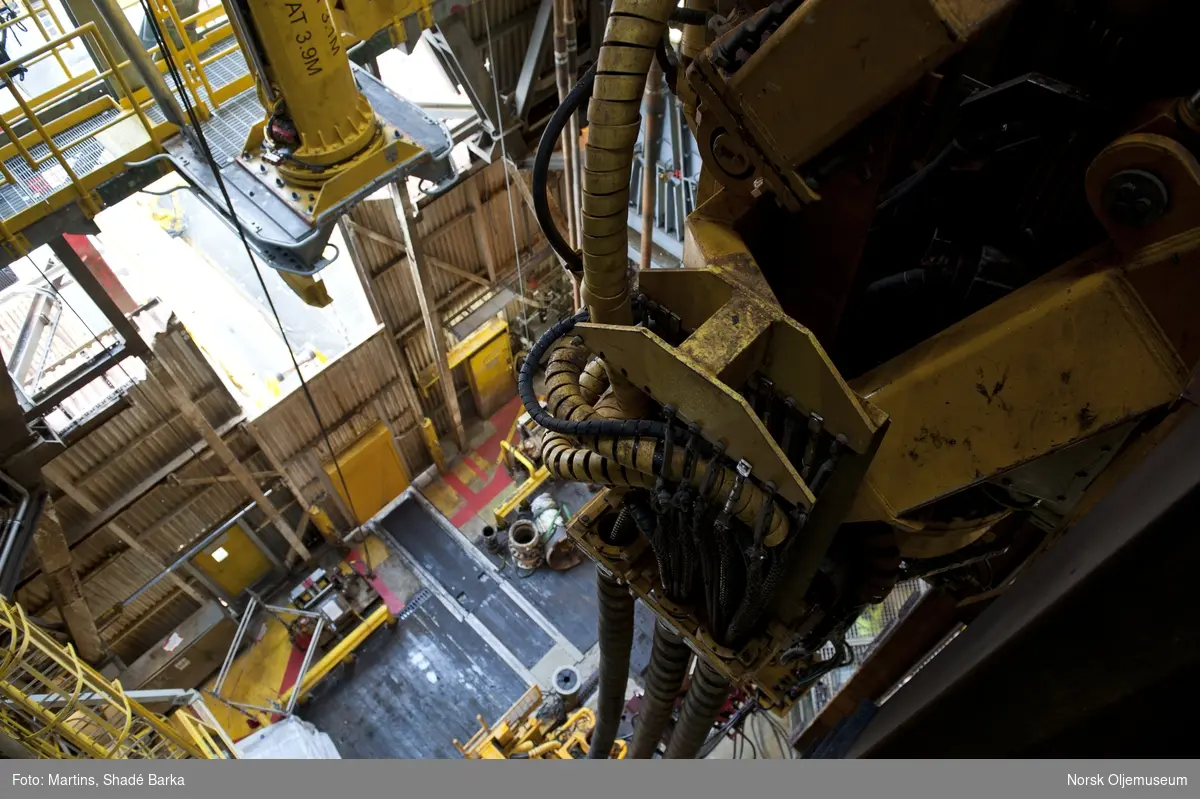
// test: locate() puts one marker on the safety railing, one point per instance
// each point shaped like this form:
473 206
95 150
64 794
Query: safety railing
56 706
41 135
46 20
37 158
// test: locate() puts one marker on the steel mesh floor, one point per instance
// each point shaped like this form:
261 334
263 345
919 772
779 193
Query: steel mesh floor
33 186
225 131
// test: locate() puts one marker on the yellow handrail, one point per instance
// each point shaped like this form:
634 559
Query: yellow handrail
57 706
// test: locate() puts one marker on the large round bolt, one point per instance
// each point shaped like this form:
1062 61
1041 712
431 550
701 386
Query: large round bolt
1135 197
730 155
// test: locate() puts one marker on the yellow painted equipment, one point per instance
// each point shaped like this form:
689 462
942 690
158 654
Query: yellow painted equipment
233 561
522 735
56 706
487 354
374 473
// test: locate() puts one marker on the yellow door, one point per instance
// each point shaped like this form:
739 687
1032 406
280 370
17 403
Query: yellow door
490 371
373 471
232 561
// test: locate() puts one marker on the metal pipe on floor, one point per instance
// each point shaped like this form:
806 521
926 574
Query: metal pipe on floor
616 641
668 667
703 702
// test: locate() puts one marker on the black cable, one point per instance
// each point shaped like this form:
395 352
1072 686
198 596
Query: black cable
646 428
668 64
216 170
578 95
913 181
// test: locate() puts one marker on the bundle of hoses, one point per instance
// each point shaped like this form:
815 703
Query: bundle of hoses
596 443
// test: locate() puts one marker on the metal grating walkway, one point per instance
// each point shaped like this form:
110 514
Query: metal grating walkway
226 132
34 186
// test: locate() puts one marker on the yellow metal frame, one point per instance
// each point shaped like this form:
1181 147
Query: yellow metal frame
342 652
538 475
59 707
131 103
520 733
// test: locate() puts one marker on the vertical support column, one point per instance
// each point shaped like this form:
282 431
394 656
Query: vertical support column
54 552
653 114
429 312
563 82
195 417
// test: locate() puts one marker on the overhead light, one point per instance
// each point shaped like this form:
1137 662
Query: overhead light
219 554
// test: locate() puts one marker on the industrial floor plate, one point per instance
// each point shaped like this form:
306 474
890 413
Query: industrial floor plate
465 580
414 689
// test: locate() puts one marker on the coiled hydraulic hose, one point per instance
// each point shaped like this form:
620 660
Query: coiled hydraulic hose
616 641
589 426
631 38
668 666
705 698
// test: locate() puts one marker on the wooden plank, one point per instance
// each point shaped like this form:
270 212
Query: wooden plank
195 417
429 310
446 266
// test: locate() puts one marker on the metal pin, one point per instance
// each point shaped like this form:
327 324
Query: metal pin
669 439
789 426
815 424
735 491
835 450
766 393
752 395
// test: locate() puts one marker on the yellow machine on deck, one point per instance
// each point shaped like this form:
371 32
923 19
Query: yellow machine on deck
528 732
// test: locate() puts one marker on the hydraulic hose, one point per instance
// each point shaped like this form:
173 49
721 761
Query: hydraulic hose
575 98
705 698
634 30
668 667
616 641
590 426
593 382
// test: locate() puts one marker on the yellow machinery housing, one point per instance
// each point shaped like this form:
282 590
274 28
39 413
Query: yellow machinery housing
524 734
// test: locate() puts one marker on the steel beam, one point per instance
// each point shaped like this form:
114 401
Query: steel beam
96 291
51 546
429 312
54 474
462 58
535 56
195 417
1093 650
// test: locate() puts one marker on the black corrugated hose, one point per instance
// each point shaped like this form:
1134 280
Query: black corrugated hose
616 641
705 698
668 666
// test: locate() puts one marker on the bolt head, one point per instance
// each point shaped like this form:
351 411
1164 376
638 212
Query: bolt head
1135 198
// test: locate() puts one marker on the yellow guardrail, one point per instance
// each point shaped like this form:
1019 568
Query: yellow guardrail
57 706
195 42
